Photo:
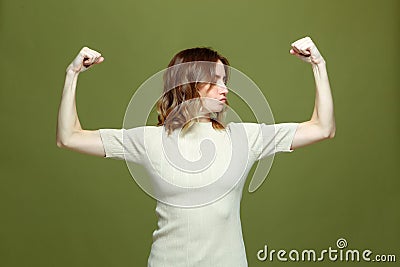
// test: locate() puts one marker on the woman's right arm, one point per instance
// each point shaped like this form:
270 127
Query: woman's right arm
70 134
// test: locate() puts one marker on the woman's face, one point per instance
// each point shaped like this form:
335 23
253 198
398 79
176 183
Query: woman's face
214 94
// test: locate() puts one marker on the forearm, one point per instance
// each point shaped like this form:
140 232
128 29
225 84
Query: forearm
323 113
68 121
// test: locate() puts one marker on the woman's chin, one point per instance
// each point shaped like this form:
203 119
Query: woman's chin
216 107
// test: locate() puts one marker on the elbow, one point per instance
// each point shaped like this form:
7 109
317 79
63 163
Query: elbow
329 134
332 134
63 140
60 144
327 130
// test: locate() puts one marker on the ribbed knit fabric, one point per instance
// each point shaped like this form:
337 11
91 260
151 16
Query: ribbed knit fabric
195 227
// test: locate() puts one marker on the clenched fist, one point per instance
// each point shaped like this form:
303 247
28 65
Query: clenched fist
84 60
306 50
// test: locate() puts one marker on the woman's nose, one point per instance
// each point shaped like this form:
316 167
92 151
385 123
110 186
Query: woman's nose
223 89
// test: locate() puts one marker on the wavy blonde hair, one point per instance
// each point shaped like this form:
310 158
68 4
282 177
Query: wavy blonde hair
180 103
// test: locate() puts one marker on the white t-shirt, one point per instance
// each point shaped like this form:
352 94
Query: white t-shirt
197 179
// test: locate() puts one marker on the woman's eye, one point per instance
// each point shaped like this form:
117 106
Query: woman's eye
220 82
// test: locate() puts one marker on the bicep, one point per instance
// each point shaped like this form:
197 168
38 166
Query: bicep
86 142
308 132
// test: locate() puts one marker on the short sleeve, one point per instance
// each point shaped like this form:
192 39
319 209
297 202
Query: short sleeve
123 144
274 138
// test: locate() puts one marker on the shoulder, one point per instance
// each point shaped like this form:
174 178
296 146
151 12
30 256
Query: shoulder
250 131
246 125
142 132
249 127
144 129
255 131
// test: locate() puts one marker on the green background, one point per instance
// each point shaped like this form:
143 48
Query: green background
62 208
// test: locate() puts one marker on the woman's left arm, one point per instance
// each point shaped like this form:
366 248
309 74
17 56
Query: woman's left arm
321 126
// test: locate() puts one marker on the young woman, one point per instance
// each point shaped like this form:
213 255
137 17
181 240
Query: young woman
198 197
